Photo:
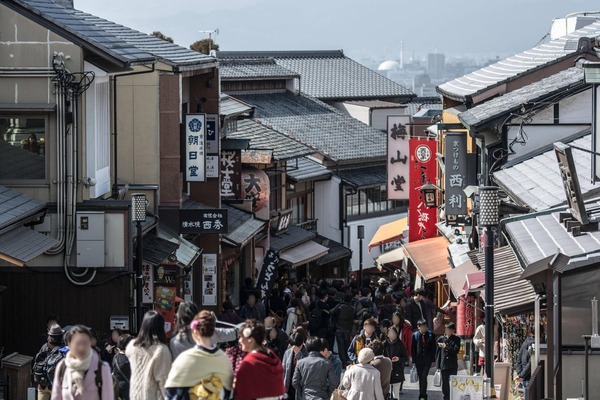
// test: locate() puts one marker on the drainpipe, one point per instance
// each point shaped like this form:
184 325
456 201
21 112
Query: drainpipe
115 130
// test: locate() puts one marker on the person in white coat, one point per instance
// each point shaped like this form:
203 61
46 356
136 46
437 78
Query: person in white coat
362 381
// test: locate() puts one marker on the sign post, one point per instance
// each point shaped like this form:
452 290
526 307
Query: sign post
195 149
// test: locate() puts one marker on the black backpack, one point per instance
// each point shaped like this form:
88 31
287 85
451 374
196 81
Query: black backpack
52 361
45 365
315 319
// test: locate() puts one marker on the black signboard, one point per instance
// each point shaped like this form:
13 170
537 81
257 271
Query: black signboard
203 221
455 158
568 173
268 273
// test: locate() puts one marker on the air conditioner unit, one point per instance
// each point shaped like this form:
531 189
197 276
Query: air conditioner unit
90 239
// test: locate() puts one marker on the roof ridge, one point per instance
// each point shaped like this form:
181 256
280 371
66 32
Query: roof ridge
282 54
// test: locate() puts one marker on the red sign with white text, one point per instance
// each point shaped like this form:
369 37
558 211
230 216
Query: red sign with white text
423 168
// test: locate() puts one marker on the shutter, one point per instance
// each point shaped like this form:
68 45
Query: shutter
98 136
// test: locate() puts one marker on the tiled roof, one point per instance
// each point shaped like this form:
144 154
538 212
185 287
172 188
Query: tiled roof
16 206
306 169
251 69
242 226
156 249
375 104
229 106
334 134
119 42
368 176
569 80
540 235
263 137
24 244
329 74
536 182
18 163
513 67
294 236
421 103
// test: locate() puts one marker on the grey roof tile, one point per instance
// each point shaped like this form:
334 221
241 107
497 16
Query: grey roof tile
242 226
18 163
25 244
294 236
16 206
569 80
250 69
122 43
361 177
334 134
419 104
329 74
156 249
229 106
536 182
306 169
263 137
520 64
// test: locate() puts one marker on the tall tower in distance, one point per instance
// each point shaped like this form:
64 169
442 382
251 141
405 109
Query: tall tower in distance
436 65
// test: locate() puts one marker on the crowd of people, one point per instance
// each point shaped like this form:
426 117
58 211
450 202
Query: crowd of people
303 342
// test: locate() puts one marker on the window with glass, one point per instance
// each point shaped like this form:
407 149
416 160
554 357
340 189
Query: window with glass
373 200
22 148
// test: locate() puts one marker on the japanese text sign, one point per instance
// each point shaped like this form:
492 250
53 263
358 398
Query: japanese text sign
212 134
397 157
195 137
209 279
231 174
421 220
268 273
455 159
203 221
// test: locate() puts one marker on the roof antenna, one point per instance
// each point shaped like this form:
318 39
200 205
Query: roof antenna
210 33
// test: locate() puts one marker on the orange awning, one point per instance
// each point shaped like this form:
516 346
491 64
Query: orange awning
430 257
389 233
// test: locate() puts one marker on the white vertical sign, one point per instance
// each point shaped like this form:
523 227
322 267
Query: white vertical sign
209 279
398 157
195 147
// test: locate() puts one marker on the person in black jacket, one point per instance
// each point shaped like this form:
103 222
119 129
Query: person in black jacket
396 351
342 316
423 353
121 369
447 357
523 362
415 308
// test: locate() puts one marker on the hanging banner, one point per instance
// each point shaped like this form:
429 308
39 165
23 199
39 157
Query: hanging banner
212 134
148 284
397 157
455 173
195 133
268 273
423 169
209 279
231 174
165 285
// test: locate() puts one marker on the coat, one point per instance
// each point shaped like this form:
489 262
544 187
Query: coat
314 378
122 372
149 371
414 313
63 391
288 357
384 366
396 349
362 382
447 358
259 375
423 350
358 343
523 362
343 317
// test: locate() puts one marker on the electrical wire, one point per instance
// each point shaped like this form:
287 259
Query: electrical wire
585 150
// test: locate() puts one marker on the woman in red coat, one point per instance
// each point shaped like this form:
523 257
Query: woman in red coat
405 330
260 374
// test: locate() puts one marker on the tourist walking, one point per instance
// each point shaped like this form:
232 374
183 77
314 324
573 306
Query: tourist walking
362 381
315 377
423 353
447 357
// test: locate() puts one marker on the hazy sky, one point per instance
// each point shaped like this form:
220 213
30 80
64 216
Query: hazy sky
359 27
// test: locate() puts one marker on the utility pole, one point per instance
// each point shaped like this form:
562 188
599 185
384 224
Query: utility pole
210 33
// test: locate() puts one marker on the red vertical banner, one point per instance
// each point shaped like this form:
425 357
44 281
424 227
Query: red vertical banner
165 293
423 169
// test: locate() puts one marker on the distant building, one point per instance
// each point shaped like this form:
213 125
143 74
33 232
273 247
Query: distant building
436 65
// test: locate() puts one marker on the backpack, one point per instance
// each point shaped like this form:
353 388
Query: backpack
39 368
52 361
363 314
315 319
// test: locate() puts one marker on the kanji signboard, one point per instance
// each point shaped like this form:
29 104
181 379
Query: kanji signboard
397 157
212 134
455 158
231 174
203 221
423 168
195 139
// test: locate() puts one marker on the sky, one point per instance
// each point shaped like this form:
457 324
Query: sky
362 29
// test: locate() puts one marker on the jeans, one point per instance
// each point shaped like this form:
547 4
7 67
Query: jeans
423 372
524 383
446 382
343 342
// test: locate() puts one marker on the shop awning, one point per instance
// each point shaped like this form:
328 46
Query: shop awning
243 226
512 295
393 258
21 245
474 282
304 253
187 252
430 257
293 237
457 277
336 251
389 233
156 250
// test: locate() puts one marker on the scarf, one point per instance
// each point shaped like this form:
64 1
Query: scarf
78 368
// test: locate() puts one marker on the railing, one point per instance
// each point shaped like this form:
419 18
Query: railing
535 386
310 225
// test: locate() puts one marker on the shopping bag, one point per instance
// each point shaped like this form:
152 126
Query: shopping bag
338 394
437 378
414 375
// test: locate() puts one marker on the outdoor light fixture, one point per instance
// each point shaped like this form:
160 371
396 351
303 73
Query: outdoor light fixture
429 191
138 207
591 72
488 206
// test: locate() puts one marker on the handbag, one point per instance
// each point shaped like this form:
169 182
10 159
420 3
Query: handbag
414 375
338 394
437 378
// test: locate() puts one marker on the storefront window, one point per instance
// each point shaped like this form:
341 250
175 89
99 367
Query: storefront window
22 148
373 200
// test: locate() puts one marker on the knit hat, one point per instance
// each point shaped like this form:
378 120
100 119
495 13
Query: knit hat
365 356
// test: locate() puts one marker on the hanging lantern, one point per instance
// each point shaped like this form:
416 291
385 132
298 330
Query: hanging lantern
255 187
429 191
